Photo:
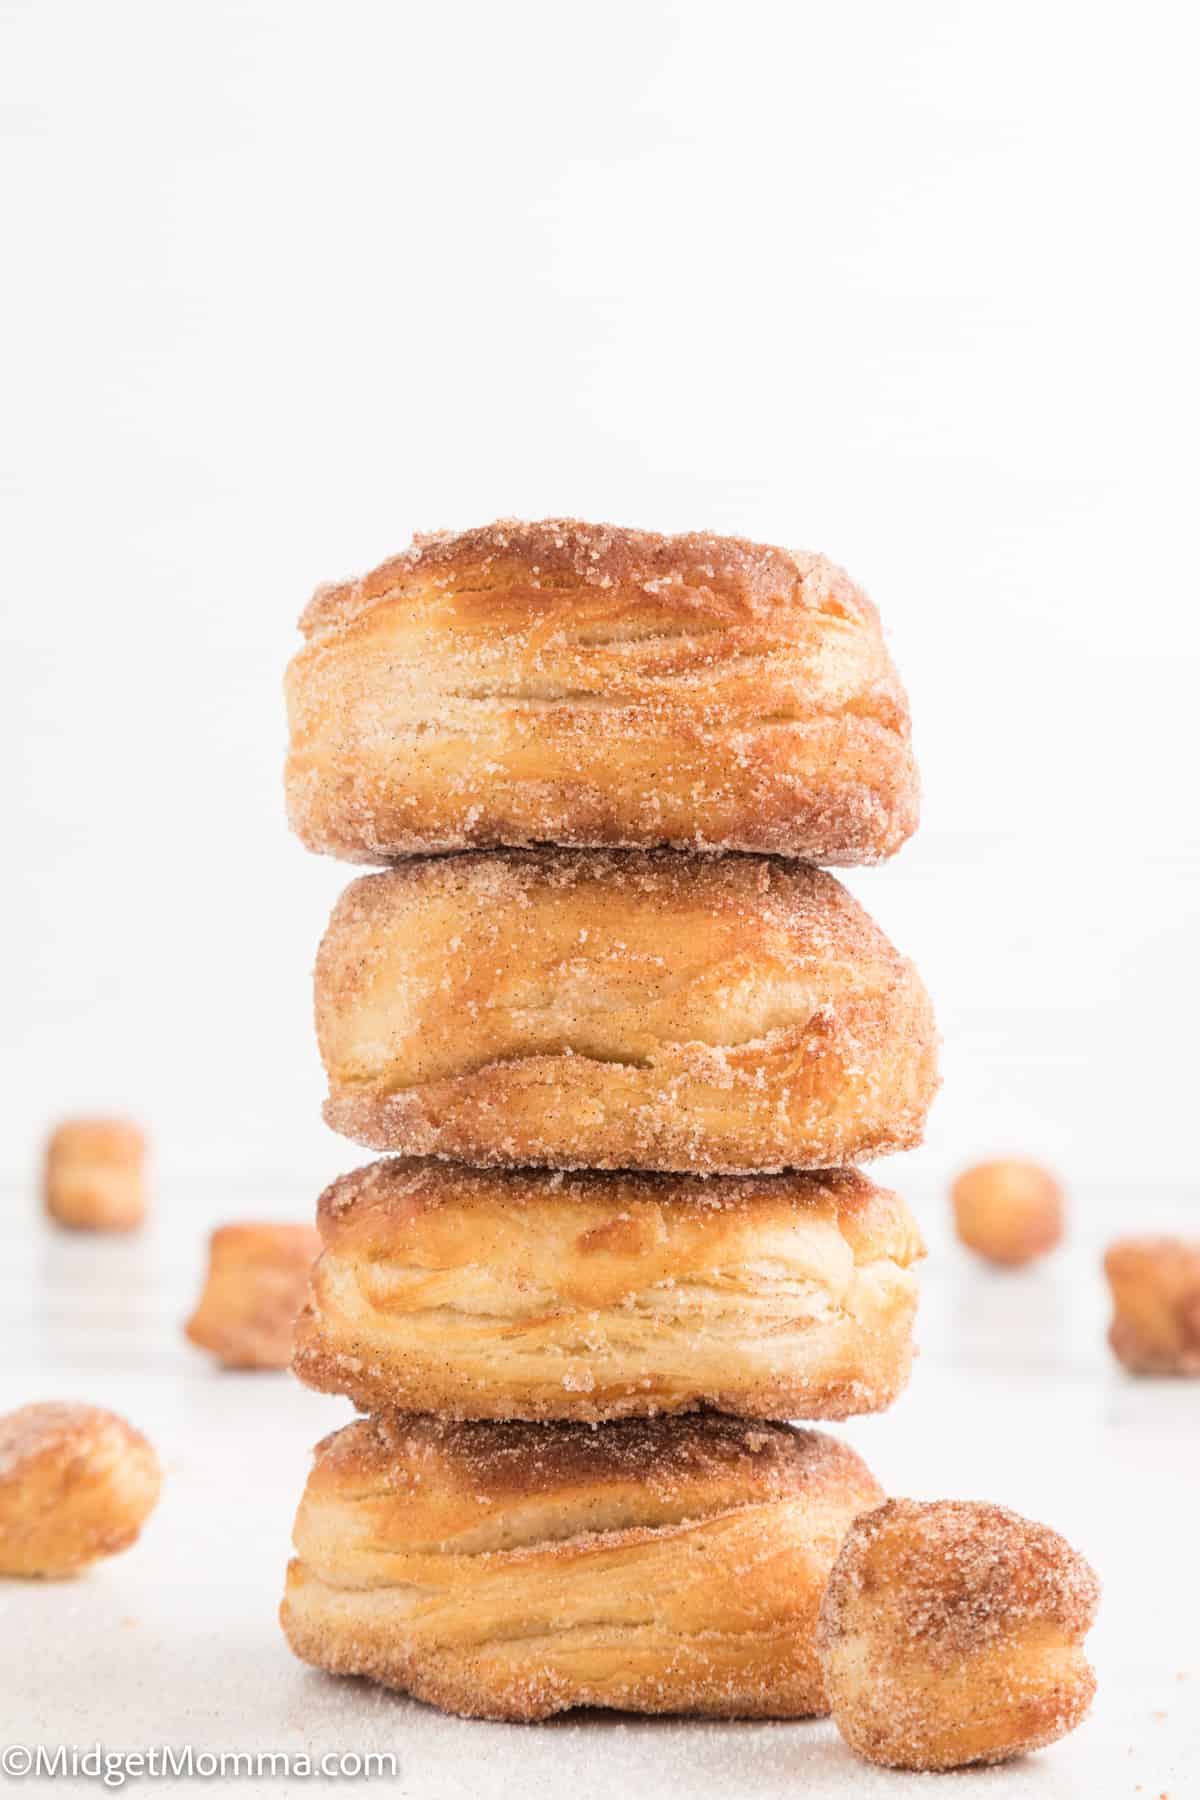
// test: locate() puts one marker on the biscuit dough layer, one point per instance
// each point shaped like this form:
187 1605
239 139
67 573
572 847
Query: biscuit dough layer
530 1295
632 1010
512 1571
589 686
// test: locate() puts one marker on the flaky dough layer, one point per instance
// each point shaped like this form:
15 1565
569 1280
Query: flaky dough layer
512 1571
589 686
620 1010
529 1295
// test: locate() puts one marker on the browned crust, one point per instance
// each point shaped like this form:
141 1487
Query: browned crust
484 1118
965 1573
950 1634
1155 1285
378 1387
749 578
366 1204
524 1294
589 686
514 1571
497 1461
634 1010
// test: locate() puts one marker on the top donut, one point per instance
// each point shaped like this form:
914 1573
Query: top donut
592 687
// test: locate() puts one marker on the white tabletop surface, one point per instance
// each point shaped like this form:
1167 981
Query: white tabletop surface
1015 1399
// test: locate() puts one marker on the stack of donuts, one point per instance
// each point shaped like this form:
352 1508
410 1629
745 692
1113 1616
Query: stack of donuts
624 1040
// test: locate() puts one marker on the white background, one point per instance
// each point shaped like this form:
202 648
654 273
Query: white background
913 285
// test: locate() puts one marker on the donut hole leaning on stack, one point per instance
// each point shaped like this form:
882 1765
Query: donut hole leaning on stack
627 1040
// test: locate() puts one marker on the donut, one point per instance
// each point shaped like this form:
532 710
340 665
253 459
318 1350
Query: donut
257 1282
526 1294
95 1175
76 1483
951 1632
592 687
1010 1212
622 1009
1155 1283
512 1571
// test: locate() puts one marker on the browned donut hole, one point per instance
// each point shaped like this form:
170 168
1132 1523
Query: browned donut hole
76 1483
1008 1211
951 1633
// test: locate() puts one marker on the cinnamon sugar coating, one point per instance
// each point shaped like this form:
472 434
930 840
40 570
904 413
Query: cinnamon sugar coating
634 1010
1009 1211
524 1294
76 1483
257 1282
951 1633
95 1175
1155 1285
513 1571
594 687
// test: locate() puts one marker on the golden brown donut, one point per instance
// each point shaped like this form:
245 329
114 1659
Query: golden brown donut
593 687
95 1175
76 1483
256 1284
1009 1211
632 1009
951 1632
512 1571
523 1294
1155 1285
